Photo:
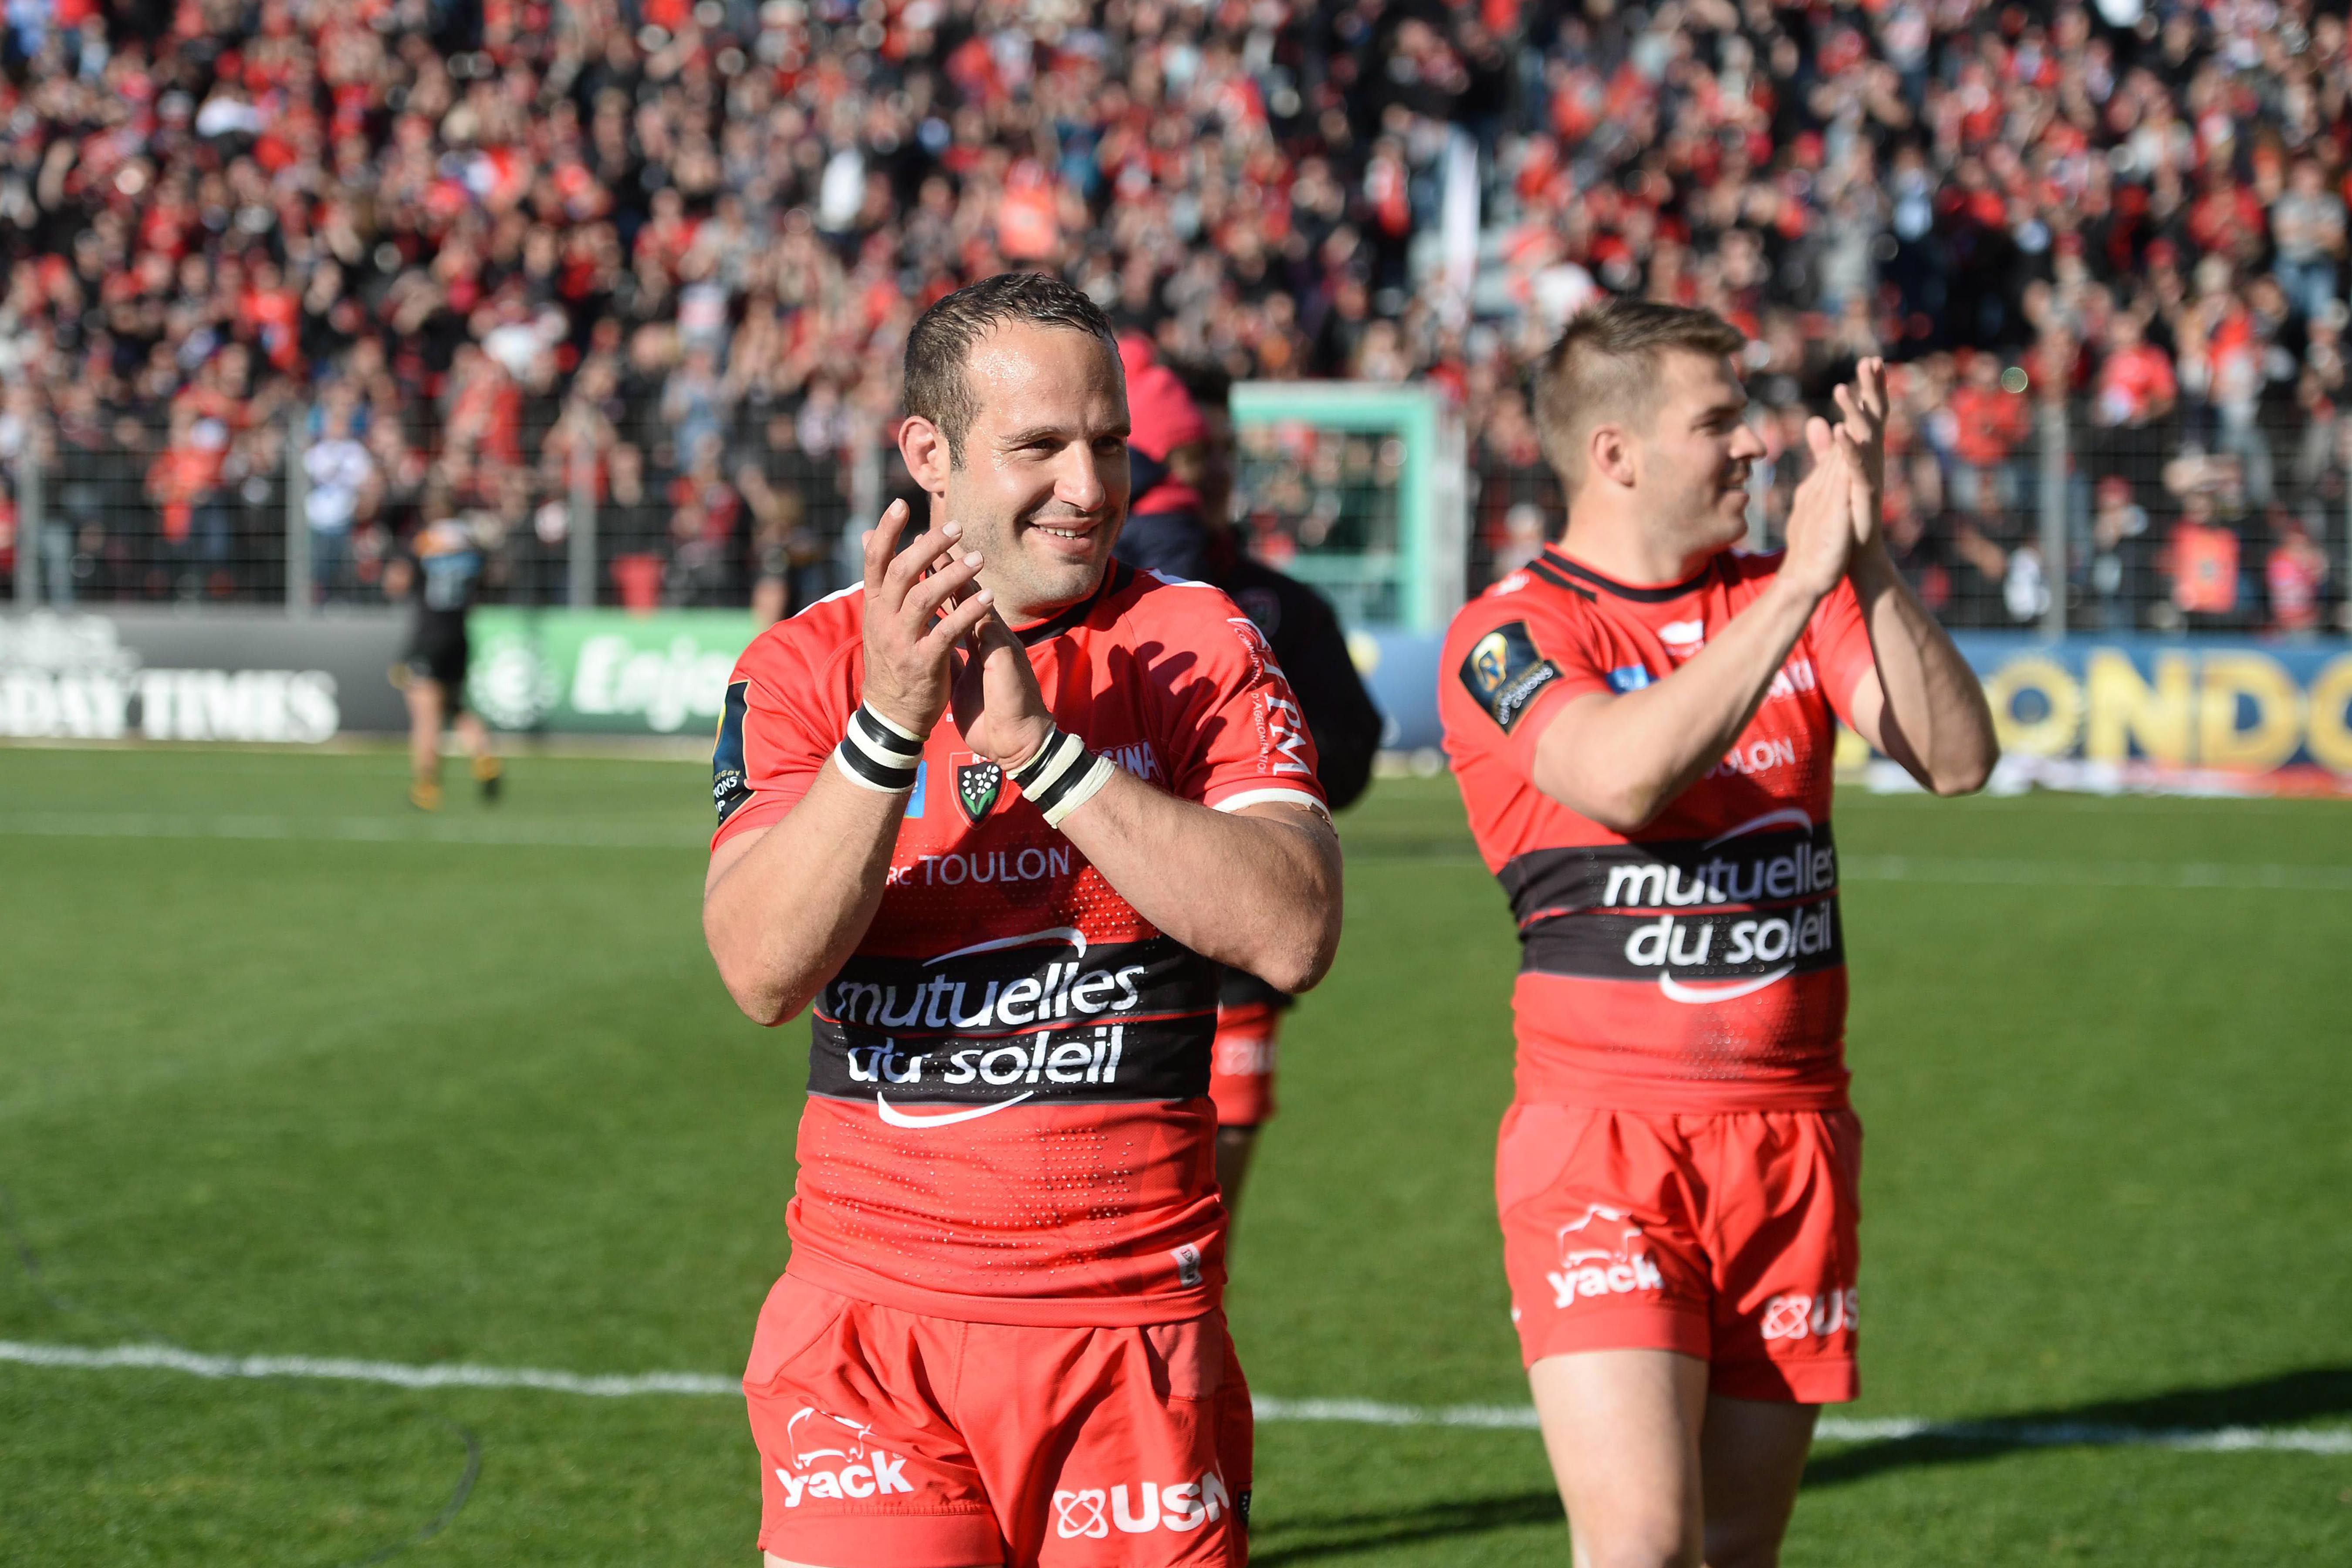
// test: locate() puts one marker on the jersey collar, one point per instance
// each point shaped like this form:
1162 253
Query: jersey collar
1561 573
1114 581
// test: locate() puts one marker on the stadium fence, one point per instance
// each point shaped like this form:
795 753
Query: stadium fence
2020 512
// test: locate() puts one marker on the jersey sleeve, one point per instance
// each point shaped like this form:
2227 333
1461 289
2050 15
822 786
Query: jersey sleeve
1508 666
1840 641
1239 737
775 732
1341 713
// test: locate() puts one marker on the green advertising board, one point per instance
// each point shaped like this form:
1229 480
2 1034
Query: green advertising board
604 671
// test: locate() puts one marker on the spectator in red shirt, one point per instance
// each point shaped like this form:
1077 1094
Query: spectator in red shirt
1991 424
2296 574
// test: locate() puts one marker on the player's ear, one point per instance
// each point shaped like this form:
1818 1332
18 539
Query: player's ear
923 445
1609 453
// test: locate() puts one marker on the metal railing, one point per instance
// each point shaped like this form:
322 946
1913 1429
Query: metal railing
2197 522
307 510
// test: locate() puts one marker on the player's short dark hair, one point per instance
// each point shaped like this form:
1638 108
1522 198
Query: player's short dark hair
938 348
1606 366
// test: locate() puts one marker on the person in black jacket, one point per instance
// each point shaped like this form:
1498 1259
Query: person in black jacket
1183 447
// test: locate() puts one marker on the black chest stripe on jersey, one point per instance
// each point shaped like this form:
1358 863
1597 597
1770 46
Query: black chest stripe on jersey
1713 909
729 785
1503 672
1050 1016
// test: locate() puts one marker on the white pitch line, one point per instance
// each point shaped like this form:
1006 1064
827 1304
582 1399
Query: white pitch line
587 834
2190 875
447 1375
1268 1407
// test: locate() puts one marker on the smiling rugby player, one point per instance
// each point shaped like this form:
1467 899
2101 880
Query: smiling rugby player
997 814
1642 723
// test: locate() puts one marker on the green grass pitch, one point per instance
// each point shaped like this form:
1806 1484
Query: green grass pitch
291 1070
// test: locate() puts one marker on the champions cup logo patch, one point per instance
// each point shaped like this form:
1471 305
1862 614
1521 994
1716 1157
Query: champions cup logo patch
729 785
1503 673
1602 1254
977 784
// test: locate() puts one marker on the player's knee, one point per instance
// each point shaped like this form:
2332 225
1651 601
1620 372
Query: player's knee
1744 1543
1657 1542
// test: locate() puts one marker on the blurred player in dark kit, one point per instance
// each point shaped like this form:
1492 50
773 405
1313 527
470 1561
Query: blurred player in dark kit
1641 721
442 566
1185 514
996 815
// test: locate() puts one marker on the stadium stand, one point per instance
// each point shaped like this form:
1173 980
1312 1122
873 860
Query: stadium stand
657 260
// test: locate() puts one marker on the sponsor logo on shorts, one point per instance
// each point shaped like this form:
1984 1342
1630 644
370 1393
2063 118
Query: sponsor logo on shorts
1244 1056
834 1459
1811 1317
1091 1514
1602 1254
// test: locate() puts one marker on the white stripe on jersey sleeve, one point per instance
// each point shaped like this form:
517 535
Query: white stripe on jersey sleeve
1267 796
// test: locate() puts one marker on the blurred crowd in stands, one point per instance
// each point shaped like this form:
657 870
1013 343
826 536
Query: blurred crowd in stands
391 258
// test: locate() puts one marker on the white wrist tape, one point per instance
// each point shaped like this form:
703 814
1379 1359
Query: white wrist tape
1063 777
877 753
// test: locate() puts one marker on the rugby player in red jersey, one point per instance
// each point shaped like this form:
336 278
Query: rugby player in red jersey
995 816
1642 723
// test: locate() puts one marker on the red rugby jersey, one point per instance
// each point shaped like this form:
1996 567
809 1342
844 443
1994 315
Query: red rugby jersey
1007 1117
1697 966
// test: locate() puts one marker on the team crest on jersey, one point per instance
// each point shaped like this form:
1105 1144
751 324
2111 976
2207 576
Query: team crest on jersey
1262 606
1504 672
978 783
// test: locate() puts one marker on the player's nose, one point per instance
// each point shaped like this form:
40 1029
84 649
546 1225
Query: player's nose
1079 481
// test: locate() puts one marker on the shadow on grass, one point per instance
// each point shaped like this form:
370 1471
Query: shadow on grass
2284 1400
1306 1540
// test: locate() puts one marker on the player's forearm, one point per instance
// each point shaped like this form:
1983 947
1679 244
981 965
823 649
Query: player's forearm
784 915
1935 720
1258 892
1620 761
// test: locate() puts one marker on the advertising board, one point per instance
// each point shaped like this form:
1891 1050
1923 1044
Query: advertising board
604 671
162 675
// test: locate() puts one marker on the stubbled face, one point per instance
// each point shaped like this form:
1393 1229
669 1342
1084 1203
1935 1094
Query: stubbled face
1692 463
1043 488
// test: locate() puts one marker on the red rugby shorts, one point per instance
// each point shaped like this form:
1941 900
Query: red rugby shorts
1729 1236
892 1439
1241 1066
